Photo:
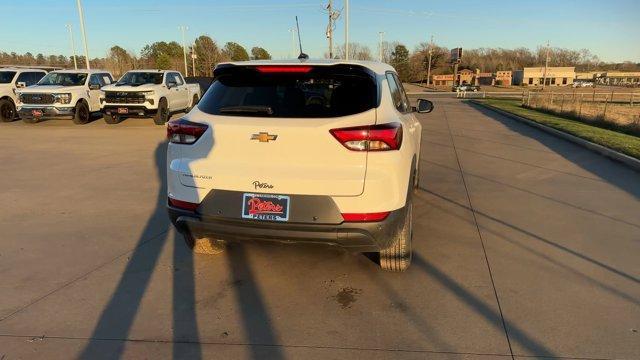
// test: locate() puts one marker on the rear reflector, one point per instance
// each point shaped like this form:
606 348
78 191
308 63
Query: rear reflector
184 205
182 131
284 69
370 138
366 217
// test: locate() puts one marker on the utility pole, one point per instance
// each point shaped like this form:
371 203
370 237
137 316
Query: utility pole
73 47
184 49
381 45
333 16
346 29
84 34
293 42
193 59
546 65
429 66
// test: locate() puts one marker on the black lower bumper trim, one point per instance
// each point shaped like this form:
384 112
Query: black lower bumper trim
132 111
364 237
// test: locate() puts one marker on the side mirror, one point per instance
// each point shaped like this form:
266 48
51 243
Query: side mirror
21 84
424 106
172 84
94 87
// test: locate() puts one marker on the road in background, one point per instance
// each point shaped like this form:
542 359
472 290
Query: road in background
524 244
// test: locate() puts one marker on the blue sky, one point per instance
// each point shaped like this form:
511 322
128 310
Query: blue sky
610 29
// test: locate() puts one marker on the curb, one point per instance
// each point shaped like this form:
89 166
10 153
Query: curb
602 150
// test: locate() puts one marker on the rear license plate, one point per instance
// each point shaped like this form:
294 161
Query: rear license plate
36 112
123 111
265 207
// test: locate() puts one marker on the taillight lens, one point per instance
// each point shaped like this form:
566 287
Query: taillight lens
184 205
370 138
365 217
182 131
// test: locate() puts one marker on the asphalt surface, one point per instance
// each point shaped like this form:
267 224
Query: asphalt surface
525 246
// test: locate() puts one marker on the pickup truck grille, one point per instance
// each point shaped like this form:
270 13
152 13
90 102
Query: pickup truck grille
124 97
37 99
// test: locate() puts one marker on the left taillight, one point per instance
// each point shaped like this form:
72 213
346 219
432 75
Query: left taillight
381 137
182 131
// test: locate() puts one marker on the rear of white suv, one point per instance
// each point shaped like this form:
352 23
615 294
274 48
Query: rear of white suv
323 152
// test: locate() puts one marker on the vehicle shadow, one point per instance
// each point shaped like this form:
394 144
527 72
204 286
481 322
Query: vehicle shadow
112 330
614 173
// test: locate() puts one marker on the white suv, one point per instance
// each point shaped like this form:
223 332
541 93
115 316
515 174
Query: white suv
312 151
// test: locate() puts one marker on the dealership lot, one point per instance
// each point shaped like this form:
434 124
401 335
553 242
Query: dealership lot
524 244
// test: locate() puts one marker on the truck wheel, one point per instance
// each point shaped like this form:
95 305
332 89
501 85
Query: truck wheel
7 110
397 257
162 116
111 119
206 246
82 114
194 102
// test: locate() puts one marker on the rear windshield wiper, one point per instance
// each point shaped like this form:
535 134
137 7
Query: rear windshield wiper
247 109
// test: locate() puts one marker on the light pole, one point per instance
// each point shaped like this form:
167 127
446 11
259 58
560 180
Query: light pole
73 47
293 42
429 67
346 29
193 59
84 34
184 49
380 45
546 65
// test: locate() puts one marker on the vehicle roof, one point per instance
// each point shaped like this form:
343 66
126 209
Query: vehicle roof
72 71
375 66
152 70
21 69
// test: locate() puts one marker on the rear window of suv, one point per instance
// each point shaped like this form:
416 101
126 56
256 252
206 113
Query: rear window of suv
291 91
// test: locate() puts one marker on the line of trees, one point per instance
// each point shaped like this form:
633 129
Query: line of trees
158 55
411 65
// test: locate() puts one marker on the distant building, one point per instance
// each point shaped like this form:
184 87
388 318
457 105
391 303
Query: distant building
618 78
555 76
484 79
503 78
466 76
442 80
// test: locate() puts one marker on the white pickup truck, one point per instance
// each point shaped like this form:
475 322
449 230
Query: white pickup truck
64 93
11 80
146 93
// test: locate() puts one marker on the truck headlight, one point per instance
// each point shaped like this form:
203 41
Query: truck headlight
62 98
148 93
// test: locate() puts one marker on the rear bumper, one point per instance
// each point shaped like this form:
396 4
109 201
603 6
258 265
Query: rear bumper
48 111
132 110
363 237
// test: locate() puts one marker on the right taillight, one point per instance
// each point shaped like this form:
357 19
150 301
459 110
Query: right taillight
182 131
381 137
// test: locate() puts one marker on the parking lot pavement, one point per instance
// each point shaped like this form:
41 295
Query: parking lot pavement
524 244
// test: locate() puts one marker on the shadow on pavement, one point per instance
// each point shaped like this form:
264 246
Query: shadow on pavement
614 173
117 317
515 333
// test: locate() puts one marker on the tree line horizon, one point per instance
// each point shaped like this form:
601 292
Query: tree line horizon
411 65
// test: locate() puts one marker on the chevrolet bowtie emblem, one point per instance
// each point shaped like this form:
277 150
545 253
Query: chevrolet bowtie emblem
264 137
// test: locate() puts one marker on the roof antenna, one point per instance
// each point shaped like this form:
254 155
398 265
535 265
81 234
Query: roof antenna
302 55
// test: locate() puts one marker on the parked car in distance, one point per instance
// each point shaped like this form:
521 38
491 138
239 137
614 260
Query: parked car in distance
148 93
465 87
12 79
579 84
64 93
322 151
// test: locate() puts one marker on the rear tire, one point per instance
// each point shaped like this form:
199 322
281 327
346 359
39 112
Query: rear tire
162 116
111 119
205 246
7 110
397 257
82 114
